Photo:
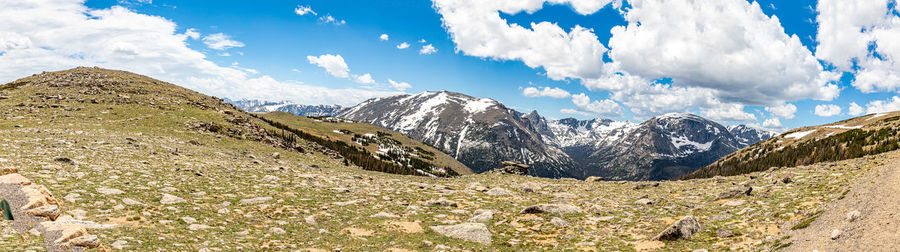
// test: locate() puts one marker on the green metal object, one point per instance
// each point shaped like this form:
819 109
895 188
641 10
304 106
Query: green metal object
7 213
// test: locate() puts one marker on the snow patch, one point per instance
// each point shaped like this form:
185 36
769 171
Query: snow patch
800 134
877 115
479 106
680 141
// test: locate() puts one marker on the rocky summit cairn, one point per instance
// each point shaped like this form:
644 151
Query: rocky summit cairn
512 167
34 207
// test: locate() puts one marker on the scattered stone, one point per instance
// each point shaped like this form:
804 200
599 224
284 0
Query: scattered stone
482 216
552 208
130 202
277 230
593 179
64 160
644 201
109 191
853 215
559 222
497 192
384 215
724 233
256 200
734 203
188 219
195 227
681 229
529 187
169 189
441 202
835 234
168 199
119 244
642 186
475 232
512 167
734 193
48 211
786 180
311 220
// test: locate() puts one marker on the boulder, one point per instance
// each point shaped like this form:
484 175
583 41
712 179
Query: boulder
512 167
681 229
552 208
593 179
168 199
734 193
474 232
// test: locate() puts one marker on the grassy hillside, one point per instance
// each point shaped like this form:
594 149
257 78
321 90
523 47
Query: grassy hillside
111 144
851 138
383 144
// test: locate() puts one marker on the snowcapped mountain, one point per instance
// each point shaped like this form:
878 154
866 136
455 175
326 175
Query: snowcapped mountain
481 133
256 106
478 132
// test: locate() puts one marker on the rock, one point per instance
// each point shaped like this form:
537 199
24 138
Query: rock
130 202
256 200
49 211
512 167
552 208
109 191
593 179
528 187
681 229
195 227
559 222
277 230
734 203
441 202
188 220
169 189
497 192
835 234
644 201
311 220
119 244
475 232
482 216
724 233
87 241
384 215
853 215
168 199
786 179
734 193
642 186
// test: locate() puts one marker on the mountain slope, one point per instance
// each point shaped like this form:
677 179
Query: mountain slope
851 138
256 106
386 144
480 133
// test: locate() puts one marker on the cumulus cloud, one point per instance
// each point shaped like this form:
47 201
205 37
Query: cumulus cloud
331 19
41 36
220 41
192 33
427 49
785 111
861 37
545 92
384 37
364 79
333 64
826 110
855 109
303 10
403 45
728 112
585 106
401 86
772 123
881 106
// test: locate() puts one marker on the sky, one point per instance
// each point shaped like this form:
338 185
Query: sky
773 64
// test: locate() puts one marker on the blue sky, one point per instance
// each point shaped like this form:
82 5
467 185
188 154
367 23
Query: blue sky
269 45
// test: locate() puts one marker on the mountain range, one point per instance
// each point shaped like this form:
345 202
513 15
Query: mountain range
257 106
481 132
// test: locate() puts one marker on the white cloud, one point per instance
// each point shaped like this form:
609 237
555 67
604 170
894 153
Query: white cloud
545 92
41 36
772 123
333 64
605 107
785 111
730 46
303 10
422 41
399 85
855 109
192 33
728 112
384 37
403 45
365 79
826 110
427 49
331 19
879 106
220 41
861 37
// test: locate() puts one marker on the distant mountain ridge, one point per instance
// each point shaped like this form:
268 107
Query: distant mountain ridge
481 132
257 106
